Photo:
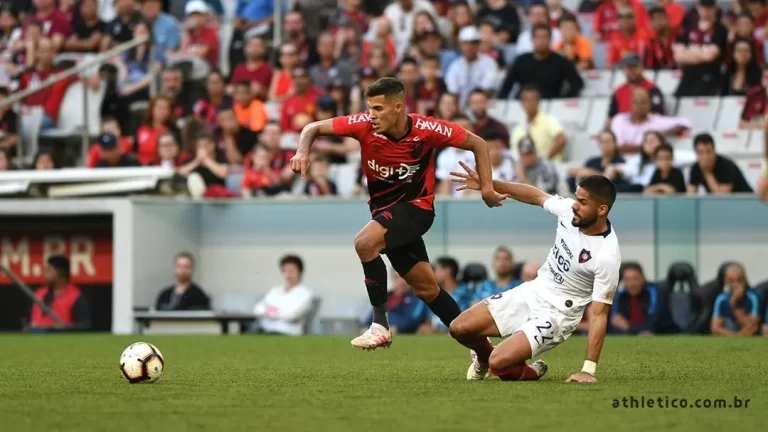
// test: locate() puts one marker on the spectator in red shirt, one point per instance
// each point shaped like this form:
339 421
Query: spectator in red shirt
62 297
318 183
279 160
112 126
606 17
169 153
629 38
296 31
431 86
674 11
215 97
408 74
111 155
299 109
255 69
55 23
9 123
157 120
259 177
350 11
621 101
200 39
756 105
758 10
745 29
659 54
282 80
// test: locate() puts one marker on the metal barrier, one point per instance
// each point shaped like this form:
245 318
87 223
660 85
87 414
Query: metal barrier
78 68
31 294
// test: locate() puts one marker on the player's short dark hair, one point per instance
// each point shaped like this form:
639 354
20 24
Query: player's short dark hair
600 188
543 27
60 264
386 87
533 88
662 148
185 255
449 263
703 139
292 259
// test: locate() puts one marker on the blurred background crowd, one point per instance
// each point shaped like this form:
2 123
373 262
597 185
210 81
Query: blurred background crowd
662 97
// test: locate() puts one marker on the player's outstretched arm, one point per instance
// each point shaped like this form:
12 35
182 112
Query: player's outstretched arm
598 326
518 191
479 147
300 162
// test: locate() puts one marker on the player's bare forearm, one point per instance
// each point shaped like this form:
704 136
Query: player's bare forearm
521 192
479 147
312 131
598 326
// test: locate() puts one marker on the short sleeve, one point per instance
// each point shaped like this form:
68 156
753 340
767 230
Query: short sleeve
444 165
353 126
606 278
443 133
754 302
554 127
558 206
695 178
720 301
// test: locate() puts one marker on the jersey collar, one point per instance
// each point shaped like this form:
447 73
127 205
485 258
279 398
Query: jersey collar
408 131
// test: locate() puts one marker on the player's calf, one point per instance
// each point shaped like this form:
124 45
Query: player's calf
521 372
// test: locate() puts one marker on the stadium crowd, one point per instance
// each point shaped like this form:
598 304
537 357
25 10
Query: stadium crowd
167 102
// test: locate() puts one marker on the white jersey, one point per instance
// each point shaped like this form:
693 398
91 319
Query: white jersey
580 268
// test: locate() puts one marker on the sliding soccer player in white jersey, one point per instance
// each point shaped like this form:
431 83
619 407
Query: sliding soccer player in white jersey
582 267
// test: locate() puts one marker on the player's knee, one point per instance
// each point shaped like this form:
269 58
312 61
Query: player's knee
459 328
365 246
498 361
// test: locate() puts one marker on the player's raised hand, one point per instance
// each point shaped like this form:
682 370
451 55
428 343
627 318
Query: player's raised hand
300 164
582 377
468 180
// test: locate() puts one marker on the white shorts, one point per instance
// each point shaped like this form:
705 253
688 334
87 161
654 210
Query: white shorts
520 309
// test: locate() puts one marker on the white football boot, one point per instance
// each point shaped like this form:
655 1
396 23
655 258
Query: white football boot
375 337
477 370
540 367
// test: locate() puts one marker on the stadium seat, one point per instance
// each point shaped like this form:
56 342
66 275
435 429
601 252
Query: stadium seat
733 142
750 165
667 81
701 111
31 122
571 112
600 55
586 21
597 83
619 78
579 147
273 110
598 113
309 323
688 311
344 176
473 273
514 114
497 108
730 113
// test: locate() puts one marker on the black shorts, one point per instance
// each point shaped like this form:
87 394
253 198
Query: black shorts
405 224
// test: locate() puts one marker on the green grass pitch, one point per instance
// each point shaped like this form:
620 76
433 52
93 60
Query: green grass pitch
271 383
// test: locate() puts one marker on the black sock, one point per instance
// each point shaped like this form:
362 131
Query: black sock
376 282
445 307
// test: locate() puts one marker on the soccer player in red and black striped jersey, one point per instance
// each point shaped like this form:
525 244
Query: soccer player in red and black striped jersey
398 160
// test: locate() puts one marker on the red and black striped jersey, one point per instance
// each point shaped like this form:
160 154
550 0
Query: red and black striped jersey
404 170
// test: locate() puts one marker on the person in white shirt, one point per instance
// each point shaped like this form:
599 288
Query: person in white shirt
538 14
285 308
401 14
582 267
472 70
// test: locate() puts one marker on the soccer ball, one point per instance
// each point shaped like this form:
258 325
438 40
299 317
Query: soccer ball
142 363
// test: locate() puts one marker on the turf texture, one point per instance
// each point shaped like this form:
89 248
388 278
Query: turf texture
272 383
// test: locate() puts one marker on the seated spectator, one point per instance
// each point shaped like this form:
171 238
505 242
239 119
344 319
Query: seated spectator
278 161
286 307
533 170
529 272
45 161
753 113
111 155
621 102
659 54
488 45
166 35
250 111
356 96
56 25
713 173
506 13
282 80
574 46
5 161
674 12
503 266
158 119
109 125
484 124
296 33
318 183
538 16
606 21
637 307
184 294
446 274
120 29
736 308
630 127
299 109
408 74
10 32
430 87
639 168
334 148
255 69
448 161
379 53
329 68
87 28
183 96
758 10
258 177
551 73
339 94
430 44
700 51
141 69
9 123
545 130
169 154
628 39
215 99
234 139
200 39
743 71
211 168
604 164
62 297
745 30
502 163
406 313
472 70
666 180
